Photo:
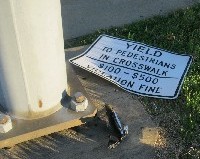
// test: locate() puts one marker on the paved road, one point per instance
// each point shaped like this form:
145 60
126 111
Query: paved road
81 17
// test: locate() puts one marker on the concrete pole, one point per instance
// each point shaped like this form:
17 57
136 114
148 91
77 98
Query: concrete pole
32 62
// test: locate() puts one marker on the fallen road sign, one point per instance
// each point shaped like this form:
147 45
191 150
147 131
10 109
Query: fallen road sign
136 67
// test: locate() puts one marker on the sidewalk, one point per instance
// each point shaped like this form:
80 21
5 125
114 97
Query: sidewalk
90 141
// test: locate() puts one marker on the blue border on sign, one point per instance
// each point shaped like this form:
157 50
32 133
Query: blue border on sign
131 91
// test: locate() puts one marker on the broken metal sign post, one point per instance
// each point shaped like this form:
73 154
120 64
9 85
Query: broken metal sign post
121 131
136 67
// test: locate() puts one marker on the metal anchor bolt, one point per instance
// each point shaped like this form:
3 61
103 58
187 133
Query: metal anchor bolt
79 102
5 123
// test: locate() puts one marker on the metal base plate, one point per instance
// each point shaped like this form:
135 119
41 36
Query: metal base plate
65 118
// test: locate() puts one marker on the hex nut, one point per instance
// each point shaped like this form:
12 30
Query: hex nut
5 123
3 119
79 97
79 102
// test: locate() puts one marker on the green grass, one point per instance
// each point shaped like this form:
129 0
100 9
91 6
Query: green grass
177 32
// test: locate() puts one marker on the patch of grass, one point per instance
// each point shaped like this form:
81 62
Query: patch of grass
177 32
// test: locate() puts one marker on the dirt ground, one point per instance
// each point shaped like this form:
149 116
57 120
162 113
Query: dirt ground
90 141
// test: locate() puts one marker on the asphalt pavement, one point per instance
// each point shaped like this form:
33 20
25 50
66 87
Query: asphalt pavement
81 17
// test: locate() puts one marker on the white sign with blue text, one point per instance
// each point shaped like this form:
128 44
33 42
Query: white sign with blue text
135 67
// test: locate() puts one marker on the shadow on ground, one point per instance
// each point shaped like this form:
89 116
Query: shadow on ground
88 141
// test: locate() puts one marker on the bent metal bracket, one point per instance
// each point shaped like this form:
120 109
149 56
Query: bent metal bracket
136 67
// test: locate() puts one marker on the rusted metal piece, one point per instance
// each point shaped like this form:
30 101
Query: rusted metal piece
119 130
